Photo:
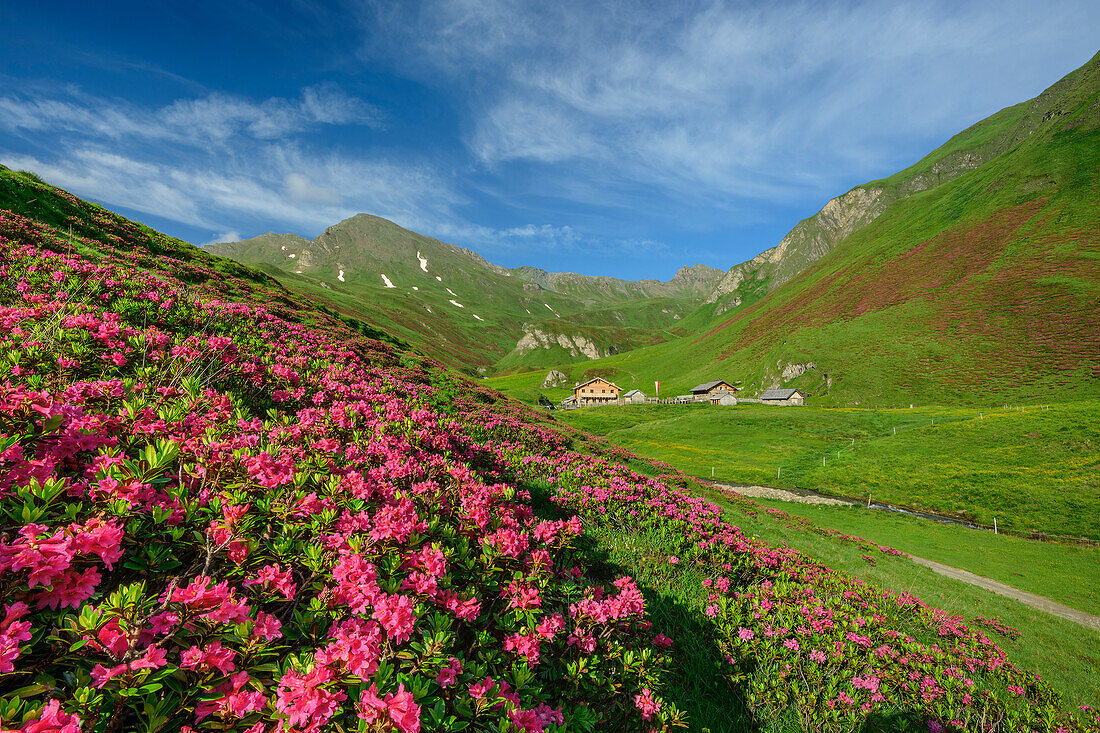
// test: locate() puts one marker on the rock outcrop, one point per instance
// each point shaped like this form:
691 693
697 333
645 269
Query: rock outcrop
535 337
555 378
810 240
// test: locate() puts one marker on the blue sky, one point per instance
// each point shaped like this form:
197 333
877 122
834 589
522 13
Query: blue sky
624 138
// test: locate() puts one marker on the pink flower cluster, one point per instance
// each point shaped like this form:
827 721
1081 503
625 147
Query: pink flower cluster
249 523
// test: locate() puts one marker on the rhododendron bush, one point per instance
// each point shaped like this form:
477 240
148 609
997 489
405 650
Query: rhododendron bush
218 518
823 649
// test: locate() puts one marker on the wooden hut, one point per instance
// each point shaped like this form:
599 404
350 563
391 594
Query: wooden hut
714 391
596 391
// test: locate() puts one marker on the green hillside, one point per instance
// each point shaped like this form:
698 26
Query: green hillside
980 290
464 311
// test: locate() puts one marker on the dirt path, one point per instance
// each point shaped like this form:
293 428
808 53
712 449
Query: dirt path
1001 589
768 492
1030 599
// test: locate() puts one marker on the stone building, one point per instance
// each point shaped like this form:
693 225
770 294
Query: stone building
783 397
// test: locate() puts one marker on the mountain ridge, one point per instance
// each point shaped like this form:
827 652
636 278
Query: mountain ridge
469 312
693 279
842 216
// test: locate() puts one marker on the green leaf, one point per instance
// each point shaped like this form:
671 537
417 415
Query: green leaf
30 691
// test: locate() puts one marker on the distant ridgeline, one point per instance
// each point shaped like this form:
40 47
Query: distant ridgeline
467 312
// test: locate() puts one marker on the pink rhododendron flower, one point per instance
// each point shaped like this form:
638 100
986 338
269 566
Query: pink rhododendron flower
522 595
479 689
236 702
306 700
398 706
213 655
153 658
213 601
12 632
267 627
396 615
103 538
274 577
69 589
550 626
449 674
53 719
646 704
526 645
356 645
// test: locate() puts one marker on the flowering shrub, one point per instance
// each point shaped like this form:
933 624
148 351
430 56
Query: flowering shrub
799 638
215 517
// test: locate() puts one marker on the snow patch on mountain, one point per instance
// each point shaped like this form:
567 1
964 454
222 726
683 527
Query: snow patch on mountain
423 261
478 317
386 281
455 302
340 277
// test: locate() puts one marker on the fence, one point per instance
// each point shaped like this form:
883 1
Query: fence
995 528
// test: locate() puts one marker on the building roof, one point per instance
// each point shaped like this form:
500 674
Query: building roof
705 386
633 392
780 394
595 379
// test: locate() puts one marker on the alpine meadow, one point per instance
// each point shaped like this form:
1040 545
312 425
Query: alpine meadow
624 456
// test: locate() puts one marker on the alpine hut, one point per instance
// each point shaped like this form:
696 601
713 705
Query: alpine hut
596 391
719 392
782 397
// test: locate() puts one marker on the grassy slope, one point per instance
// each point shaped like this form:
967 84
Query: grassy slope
1067 573
1061 651
1064 655
981 290
1035 470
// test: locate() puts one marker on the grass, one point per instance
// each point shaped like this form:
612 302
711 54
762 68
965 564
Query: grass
1069 574
1033 469
1064 653
747 443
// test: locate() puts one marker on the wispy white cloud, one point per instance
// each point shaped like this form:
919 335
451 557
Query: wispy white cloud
223 238
775 101
231 162
200 121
